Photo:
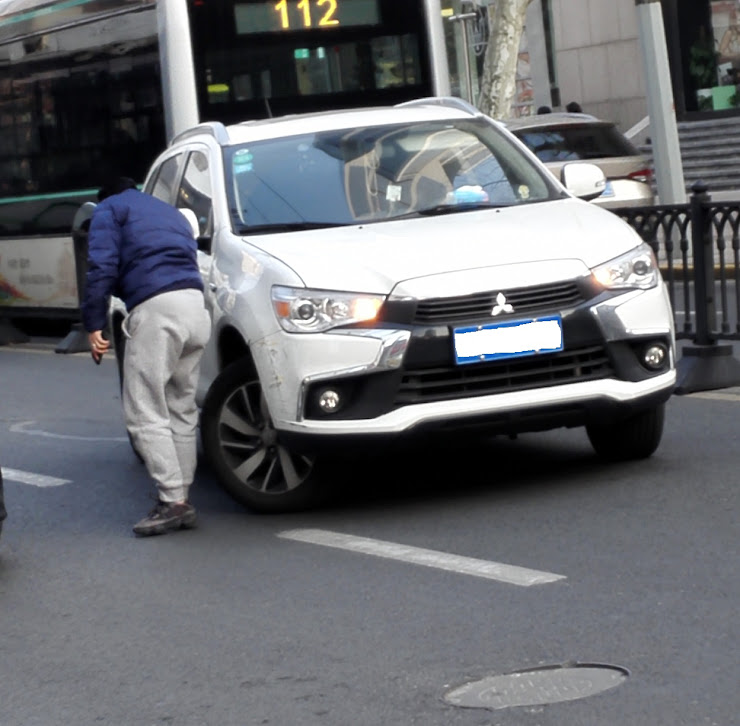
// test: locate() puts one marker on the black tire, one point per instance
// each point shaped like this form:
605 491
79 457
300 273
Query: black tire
636 437
119 348
252 464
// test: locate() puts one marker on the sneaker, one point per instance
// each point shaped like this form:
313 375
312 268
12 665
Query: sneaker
166 517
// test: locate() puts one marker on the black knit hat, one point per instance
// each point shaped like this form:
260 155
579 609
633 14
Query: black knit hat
115 186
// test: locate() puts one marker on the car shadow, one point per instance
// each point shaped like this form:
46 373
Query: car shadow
460 469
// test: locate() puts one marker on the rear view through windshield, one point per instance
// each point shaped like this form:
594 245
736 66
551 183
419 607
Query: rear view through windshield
574 143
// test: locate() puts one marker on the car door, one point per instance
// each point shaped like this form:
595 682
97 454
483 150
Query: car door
184 180
195 192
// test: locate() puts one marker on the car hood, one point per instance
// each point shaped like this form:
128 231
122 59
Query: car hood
520 245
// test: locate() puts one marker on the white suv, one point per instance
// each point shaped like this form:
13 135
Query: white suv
394 271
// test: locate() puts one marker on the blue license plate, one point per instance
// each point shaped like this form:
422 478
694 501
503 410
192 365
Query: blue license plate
510 339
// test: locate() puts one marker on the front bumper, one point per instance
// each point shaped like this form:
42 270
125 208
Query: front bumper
400 376
537 409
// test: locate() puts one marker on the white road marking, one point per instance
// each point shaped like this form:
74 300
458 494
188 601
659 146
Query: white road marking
716 396
22 428
26 348
36 480
429 558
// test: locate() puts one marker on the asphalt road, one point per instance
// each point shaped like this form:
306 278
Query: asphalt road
248 620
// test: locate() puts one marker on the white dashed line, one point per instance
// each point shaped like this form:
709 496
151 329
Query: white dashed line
716 396
23 428
428 558
35 480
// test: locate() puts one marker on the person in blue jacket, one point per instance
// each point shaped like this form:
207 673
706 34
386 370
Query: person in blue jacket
143 251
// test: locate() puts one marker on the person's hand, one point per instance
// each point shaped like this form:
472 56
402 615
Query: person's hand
99 344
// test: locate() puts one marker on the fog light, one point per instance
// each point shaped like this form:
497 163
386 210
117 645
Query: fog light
329 401
653 357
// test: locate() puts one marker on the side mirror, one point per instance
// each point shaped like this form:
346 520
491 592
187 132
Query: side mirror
203 240
583 180
189 214
81 221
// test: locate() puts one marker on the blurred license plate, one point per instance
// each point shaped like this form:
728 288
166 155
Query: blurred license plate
512 339
608 190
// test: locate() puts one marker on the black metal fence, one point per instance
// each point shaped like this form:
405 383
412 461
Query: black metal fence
698 248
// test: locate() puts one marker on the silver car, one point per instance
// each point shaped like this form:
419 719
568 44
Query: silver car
377 274
561 138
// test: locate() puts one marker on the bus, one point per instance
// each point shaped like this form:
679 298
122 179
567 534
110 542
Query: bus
94 87
256 59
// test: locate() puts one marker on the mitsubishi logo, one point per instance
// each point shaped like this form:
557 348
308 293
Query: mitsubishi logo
501 305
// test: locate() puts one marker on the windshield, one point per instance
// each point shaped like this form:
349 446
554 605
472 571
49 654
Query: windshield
377 173
576 143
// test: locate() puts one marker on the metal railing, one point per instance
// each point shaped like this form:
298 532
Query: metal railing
698 249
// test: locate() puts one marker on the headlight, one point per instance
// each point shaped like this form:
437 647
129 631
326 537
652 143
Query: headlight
313 311
636 269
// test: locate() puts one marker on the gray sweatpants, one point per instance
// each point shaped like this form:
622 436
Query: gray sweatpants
166 337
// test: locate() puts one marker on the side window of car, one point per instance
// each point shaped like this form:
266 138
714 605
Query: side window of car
195 190
163 183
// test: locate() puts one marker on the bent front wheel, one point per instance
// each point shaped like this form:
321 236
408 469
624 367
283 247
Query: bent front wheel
244 448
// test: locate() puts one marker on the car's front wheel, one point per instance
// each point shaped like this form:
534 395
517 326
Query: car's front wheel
245 449
636 437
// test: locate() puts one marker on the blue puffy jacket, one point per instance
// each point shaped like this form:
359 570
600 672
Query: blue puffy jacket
138 247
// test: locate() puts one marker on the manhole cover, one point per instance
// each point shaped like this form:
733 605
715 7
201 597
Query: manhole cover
538 686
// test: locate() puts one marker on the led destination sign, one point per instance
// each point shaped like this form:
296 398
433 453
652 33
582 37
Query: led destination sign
279 16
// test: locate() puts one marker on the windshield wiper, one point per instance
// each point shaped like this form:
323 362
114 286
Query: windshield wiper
285 227
449 209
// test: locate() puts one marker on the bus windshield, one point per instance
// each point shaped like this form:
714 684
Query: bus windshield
258 58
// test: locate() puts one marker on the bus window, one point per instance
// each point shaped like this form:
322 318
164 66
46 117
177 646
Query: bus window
95 105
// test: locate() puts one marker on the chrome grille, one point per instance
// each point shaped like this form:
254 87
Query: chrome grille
525 300
424 385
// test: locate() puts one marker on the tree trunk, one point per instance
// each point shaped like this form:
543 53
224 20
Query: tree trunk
498 84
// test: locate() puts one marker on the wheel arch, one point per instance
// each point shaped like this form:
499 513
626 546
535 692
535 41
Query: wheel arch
232 347
278 479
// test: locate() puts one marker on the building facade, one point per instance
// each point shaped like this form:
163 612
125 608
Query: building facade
586 51
597 60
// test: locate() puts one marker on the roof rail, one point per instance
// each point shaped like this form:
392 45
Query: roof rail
214 128
447 101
